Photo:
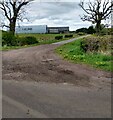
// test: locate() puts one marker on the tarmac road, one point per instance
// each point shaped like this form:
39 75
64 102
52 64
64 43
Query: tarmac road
50 100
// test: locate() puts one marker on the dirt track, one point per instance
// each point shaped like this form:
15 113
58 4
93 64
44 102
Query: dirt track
40 63
25 76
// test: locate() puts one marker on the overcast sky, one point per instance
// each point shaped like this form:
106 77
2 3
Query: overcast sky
55 13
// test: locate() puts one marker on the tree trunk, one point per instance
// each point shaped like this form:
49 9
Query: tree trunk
98 27
12 26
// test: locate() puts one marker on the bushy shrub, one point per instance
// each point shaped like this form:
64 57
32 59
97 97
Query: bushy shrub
58 37
92 46
91 30
68 36
110 31
83 46
96 44
104 31
26 40
8 39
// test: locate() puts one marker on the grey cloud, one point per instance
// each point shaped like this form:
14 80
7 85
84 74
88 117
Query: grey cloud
62 13
44 10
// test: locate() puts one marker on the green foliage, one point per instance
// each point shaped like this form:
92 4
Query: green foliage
91 30
96 44
83 46
42 39
58 37
81 33
83 30
104 31
72 51
28 40
110 31
8 39
89 46
68 36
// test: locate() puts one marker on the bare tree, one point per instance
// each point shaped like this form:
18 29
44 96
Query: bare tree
96 11
13 10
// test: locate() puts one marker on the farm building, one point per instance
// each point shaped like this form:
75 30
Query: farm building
41 29
31 29
58 29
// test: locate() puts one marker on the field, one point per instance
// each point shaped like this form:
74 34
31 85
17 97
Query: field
41 38
46 38
73 52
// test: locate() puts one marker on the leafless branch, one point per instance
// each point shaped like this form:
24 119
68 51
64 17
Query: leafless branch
13 10
96 11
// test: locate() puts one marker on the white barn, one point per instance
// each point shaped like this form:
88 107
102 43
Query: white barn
31 29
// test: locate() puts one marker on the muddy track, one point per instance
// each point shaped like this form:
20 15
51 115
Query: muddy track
41 63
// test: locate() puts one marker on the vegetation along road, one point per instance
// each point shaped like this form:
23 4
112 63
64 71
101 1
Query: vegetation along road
38 83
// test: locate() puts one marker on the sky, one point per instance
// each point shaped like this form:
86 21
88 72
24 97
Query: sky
55 13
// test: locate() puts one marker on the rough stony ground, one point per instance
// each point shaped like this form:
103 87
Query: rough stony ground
41 63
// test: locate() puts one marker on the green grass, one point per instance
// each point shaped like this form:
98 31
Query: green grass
72 52
46 38
42 38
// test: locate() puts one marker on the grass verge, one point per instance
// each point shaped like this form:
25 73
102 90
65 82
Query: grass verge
72 52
